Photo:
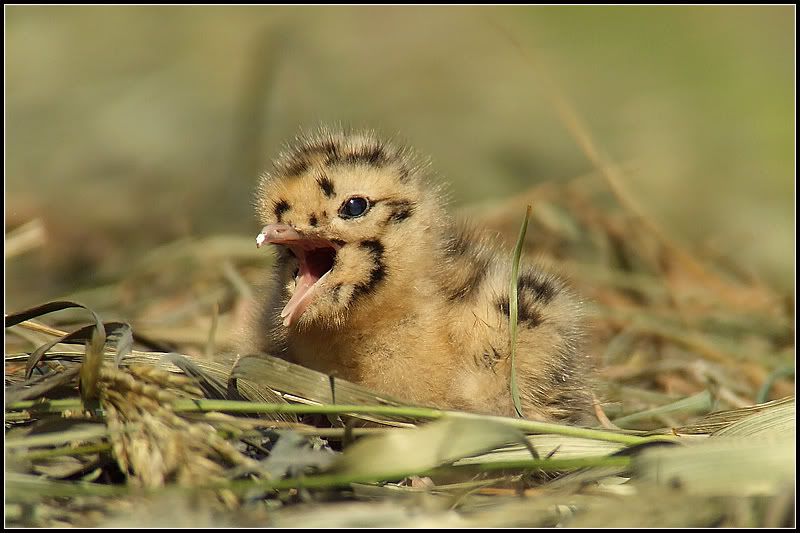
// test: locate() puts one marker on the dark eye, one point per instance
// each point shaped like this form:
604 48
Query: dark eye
354 207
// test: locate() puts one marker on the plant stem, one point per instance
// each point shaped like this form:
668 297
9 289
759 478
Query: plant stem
339 480
513 311
66 450
528 426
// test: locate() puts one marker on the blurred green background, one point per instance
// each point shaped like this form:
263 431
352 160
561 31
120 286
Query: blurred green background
127 127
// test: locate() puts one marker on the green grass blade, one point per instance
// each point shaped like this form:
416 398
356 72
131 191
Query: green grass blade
231 406
513 312
699 403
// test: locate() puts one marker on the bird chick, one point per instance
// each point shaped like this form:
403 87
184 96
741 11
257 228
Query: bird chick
375 283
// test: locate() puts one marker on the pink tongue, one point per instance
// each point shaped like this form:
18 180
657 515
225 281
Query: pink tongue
300 300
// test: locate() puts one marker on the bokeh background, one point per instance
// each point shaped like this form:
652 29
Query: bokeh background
130 127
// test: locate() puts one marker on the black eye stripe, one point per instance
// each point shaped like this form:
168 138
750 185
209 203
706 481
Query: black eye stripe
400 210
326 185
281 206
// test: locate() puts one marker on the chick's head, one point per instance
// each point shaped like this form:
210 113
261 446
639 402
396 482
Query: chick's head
348 214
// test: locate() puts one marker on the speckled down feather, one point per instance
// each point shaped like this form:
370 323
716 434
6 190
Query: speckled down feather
374 282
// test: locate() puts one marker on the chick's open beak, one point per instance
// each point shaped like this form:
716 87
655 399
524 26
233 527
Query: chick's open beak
315 256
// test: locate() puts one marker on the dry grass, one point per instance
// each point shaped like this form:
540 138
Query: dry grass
676 336
142 416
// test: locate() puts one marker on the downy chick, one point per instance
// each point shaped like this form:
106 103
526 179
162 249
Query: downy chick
374 283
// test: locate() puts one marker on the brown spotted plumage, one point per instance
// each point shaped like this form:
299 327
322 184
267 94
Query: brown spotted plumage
375 283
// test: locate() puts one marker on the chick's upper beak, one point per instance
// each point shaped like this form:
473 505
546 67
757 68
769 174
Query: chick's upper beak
277 234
